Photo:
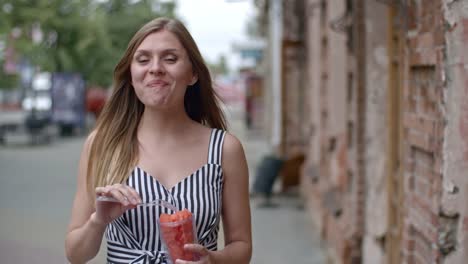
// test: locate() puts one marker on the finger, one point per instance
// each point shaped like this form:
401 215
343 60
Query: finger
133 195
130 193
120 196
102 191
196 248
127 193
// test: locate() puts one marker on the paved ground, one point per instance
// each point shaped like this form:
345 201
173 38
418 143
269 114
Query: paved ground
37 186
281 234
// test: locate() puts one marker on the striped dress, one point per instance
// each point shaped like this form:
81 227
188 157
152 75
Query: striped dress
134 236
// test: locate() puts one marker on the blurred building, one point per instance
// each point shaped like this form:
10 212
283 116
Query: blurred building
374 93
251 77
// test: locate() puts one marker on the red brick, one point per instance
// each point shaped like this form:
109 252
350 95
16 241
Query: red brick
424 204
409 259
422 258
434 220
430 57
411 183
413 43
439 128
422 157
422 215
439 36
425 56
425 41
409 244
422 188
417 210
430 24
429 108
438 165
410 104
414 57
412 15
464 22
435 91
436 180
436 189
420 140
424 171
415 214
420 124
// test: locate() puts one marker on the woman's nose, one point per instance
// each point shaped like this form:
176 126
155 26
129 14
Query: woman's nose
157 67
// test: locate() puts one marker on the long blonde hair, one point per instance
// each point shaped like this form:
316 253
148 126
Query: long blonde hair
114 147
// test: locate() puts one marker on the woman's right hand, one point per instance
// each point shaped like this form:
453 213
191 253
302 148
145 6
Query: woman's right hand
127 198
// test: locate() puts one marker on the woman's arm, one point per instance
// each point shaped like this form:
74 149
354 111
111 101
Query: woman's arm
236 205
89 220
85 232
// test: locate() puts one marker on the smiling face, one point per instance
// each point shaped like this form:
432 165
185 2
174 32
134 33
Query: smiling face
161 71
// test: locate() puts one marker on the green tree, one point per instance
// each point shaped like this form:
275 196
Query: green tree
85 36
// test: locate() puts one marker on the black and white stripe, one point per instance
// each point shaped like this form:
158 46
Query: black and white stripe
134 237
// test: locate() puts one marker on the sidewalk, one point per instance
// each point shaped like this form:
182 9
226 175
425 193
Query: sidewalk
281 234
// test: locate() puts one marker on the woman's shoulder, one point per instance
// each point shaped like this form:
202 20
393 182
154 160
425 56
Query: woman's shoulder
232 146
233 160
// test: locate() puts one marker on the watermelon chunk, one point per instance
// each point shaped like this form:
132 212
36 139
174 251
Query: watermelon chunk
177 230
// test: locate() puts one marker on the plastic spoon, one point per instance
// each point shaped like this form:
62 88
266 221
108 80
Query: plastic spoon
154 202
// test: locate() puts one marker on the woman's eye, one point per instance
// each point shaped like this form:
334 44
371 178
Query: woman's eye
142 59
171 59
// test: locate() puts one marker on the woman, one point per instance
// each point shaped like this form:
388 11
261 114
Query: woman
160 136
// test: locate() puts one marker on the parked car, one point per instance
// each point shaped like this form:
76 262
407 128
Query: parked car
54 103
68 96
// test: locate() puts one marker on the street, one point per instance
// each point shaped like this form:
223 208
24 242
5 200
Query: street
37 185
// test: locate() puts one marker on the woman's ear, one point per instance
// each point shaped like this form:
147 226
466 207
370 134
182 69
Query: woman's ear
194 79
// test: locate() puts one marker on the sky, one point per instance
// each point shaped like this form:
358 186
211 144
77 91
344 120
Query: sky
216 25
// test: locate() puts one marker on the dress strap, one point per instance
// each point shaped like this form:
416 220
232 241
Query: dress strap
215 150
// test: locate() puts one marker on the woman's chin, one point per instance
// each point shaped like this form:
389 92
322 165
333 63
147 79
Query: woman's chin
156 102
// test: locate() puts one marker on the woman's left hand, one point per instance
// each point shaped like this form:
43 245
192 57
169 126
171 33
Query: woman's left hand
205 256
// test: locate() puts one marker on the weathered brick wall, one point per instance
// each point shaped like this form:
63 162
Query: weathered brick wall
325 177
423 122
376 131
293 77
310 173
434 118
336 71
454 220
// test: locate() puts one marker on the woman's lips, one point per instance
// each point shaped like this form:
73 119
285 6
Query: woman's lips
157 83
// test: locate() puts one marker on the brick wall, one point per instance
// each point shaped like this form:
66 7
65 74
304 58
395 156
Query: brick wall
326 182
454 209
344 169
310 174
376 132
293 78
423 124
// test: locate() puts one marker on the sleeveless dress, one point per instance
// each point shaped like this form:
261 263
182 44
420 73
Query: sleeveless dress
134 236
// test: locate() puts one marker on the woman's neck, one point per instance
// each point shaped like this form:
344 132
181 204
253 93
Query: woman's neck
159 126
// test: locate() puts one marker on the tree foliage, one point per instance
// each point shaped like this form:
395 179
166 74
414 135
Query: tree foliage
86 36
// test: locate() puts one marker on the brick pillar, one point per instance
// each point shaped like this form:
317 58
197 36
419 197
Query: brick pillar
423 124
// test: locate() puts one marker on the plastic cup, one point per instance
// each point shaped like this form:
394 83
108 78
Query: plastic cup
175 234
